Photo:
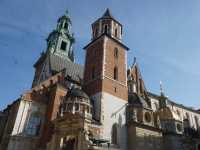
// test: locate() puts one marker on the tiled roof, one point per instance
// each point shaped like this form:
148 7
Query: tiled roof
73 71
104 34
137 100
107 14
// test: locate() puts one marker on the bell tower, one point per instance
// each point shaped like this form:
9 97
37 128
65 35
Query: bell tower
105 78
59 46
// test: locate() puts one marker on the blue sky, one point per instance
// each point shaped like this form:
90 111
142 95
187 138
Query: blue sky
164 35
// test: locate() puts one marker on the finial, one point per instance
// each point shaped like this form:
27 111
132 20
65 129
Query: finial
161 89
66 12
134 61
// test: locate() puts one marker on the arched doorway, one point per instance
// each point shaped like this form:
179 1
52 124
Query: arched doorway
114 137
69 144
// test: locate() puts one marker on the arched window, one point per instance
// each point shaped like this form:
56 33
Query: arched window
188 118
115 134
70 107
66 25
76 107
96 32
116 73
34 124
106 29
186 121
116 52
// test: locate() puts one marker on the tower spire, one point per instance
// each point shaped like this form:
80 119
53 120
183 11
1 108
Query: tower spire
107 25
163 98
161 89
134 62
107 14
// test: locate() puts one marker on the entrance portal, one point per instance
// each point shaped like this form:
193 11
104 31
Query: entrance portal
69 144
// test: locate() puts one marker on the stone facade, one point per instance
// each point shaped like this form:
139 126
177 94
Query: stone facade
102 105
145 138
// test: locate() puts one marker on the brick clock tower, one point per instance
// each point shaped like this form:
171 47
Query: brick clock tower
105 78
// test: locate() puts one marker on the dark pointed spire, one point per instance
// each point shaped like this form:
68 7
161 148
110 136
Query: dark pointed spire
107 14
134 62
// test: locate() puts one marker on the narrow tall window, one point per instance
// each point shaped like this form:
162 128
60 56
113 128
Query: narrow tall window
66 25
34 123
96 32
63 46
116 52
141 85
114 134
93 72
116 32
116 73
106 29
186 121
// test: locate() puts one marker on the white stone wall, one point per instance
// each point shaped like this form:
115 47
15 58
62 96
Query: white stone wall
181 111
154 104
18 133
21 117
182 114
112 110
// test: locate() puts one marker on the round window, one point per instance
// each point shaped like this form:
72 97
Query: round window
147 117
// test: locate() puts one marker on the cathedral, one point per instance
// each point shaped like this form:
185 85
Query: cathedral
101 105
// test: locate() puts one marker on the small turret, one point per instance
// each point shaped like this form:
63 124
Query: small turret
163 99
